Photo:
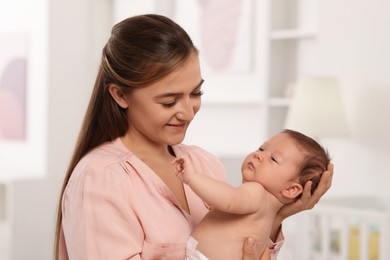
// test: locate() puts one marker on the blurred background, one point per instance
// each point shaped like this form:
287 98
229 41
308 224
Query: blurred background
266 64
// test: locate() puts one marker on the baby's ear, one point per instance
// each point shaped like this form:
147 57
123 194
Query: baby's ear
292 191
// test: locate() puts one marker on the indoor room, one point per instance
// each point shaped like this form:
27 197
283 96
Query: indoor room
315 66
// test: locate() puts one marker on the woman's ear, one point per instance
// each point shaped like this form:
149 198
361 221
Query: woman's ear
292 191
118 95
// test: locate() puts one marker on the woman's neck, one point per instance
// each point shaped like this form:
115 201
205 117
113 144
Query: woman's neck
143 148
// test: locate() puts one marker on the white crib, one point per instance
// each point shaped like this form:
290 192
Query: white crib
340 229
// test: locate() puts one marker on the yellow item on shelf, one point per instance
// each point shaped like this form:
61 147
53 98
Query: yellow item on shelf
354 240
373 246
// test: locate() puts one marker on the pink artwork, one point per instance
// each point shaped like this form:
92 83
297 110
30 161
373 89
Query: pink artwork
223 32
220 20
13 74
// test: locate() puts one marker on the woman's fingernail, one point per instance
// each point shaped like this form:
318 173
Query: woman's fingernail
250 242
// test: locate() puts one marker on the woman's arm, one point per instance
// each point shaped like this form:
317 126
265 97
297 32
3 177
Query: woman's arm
92 205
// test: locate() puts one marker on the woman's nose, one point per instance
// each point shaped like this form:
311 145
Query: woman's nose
187 111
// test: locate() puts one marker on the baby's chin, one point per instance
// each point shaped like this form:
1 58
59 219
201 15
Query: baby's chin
245 180
247 175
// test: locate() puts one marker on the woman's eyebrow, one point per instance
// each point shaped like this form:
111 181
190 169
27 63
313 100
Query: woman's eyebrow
168 94
200 83
176 94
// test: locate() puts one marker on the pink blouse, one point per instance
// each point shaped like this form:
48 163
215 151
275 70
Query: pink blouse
116 207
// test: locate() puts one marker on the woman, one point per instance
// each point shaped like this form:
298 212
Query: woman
121 198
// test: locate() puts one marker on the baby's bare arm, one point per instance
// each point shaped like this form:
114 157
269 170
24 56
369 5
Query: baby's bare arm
246 198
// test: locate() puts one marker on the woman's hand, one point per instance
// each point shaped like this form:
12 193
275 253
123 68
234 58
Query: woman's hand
266 254
249 250
307 200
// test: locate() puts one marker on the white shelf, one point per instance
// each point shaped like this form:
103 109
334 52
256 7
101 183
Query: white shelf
279 102
291 23
292 34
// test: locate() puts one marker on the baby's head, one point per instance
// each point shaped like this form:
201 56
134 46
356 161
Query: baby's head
284 163
315 162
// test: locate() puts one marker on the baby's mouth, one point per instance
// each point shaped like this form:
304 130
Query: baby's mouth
251 166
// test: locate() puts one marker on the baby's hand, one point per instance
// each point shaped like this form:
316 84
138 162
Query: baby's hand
179 167
183 169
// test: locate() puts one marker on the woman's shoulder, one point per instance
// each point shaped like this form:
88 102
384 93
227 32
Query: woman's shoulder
102 159
112 150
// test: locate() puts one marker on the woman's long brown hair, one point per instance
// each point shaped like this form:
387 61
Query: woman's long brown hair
141 50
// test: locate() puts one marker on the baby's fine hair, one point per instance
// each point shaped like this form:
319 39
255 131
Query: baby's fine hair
316 158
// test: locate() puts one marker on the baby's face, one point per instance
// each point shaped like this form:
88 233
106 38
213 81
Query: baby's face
274 164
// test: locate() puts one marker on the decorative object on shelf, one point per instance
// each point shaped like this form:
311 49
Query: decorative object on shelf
317 108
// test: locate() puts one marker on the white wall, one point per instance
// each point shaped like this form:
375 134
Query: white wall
353 44
76 29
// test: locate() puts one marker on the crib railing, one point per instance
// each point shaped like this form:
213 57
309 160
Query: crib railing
348 229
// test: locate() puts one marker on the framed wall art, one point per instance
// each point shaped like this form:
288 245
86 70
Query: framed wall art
23 90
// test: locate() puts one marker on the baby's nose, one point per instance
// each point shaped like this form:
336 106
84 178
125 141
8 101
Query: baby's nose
258 156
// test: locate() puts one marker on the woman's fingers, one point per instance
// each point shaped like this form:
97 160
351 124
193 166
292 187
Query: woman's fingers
324 185
249 249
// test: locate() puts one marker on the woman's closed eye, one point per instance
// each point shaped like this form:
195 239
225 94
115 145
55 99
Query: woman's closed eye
170 103
197 93
173 102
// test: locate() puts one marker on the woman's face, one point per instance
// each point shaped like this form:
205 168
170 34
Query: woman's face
161 113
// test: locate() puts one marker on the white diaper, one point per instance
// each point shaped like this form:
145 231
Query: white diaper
191 252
